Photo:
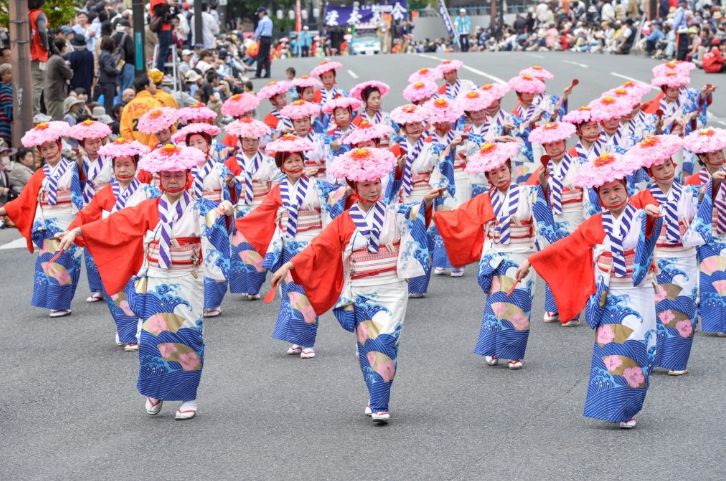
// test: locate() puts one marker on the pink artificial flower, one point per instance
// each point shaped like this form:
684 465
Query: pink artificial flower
634 376
706 140
88 130
172 158
325 66
196 128
197 113
240 105
654 150
605 334
357 91
273 88
684 328
45 132
419 91
552 132
158 119
122 147
491 156
363 164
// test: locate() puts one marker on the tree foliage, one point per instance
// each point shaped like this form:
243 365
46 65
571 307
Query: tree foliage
59 12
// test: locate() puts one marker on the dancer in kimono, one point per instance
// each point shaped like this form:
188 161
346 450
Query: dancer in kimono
276 93
609 266
254 174
159 242
441 114
636 124
211 181
302 114
419 172
159 123
526 115
97 173
371 93
238 106
675 250
567 201
553 106
369 135
359 265
499 229
124 190
290 216
609 112
48 203
708 145
340 110
305 87
326 71
499 122
453 85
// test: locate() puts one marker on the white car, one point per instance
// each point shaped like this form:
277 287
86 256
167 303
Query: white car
365 45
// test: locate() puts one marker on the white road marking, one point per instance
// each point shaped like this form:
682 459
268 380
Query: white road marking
466 67
583 65
536 56
711 117
16 244
352 74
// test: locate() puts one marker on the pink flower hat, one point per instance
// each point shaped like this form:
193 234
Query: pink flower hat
606 168
495 90
527 83
357 91
366 132
158 119
706 140
247 128
608 108
474 100
442 110
580 115
197 113
671 79
300 109
341 103
491 156
363 164
88 130
654 150
122 147
197 128
289 143
172 158
325 66
305 81
425 74
408 114
274 88
552 132
537 72
449 65
240 105
44 133
420 90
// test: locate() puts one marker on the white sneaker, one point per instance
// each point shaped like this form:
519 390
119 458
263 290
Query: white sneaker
491 360
294 350
94 297
59 313
572 323
515 364
187 410
550 316
131 347
153 406
307 353
457 272
253 297
415 295
118 341
439 271
629 424
673 372
381 418
368 411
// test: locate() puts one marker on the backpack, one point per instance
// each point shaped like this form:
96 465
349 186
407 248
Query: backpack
118 53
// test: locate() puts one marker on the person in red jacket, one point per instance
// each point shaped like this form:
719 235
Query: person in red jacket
714 61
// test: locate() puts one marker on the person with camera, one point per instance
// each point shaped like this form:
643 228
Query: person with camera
161 25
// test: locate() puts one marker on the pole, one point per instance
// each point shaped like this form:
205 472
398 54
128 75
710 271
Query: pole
492 18
138 14
500 26
198 35
20 61
222 6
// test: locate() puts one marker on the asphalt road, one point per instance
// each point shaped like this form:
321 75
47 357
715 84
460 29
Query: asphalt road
69 409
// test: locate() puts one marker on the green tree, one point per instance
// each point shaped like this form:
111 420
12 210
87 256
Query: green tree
59 12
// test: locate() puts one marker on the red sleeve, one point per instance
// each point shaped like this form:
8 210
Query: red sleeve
693 180
397 151
103 200
514 110
463 229
22 210
533 179
271 121
230 140
233 166
442 89
643 198
145 177
317 97
571 255
117 242
258 226
357 120
652 106
319 267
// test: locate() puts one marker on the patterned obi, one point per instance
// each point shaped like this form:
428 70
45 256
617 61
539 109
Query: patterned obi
521 233
604 264
260 188
185 252
420 183
63 199
381 264
663 244
571 199
307 219
213 195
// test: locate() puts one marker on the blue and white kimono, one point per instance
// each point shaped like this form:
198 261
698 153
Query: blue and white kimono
689 106
97 174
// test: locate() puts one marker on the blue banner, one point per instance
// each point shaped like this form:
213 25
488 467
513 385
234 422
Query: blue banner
343 16
444 12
